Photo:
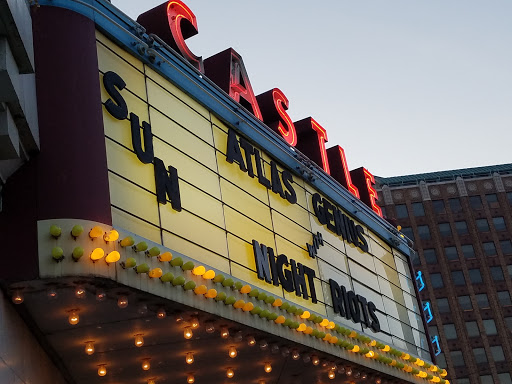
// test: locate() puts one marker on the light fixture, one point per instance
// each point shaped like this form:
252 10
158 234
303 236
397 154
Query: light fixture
209 275
348 371
142 309
112 257
364 376
210 327
315 360
97 254
73 318
263 344
238 336
306 359
378 380
151 381
190 378
187 333
230 373
122 302
295 355
102 370
194 322
274 348
146 365
232 352
331 375
77 253
341 370
95 232
100 295
161 314
76 231
80 293
55 231
52 293
127 242
139 340
224 332
268 367
251 341
166 256
357 374
89 347
189 358
140 247
285 351
112 235
199 270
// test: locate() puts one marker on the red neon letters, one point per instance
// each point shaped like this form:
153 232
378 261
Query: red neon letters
174 22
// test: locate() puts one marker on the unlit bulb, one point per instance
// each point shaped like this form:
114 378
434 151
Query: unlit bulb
189 358
89 348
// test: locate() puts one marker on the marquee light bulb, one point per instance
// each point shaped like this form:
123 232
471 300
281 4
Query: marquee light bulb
161 314
230 373
73 318
122 302
210 327
190 379
151 381
268 367
232 352
102 370
52 293
112 235
331 375
295 355
80 293
97 254
189 358
139 340
146 365
315 360
187 333
251 341
224 332
264 345
112 257
95 232
89 348
17 297
194 322
101 295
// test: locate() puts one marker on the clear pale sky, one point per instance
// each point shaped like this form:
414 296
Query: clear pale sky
404 86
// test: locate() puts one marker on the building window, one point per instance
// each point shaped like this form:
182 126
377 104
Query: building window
438 206
457 358
508 321
436 280
475 202
465 303
472 329
441 360
455 206
504 378
401 211
451 253
490 327
432 330
449 331
463 380
499 223
482 300
417 209
491 198
480 356
504 298
424 232
497 353
445 230
489 248
430 256
461 227
468 251
442 305
475 276
482 225
497 273
458 278
506 247
407 231
415 259
486 379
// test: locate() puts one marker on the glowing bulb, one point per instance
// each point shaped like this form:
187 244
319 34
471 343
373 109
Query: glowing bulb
189 358
52 293
199 271
17 297
97 254
73 318
161 314
80 293
166 256
97 231
101 295
295 355
210 328
194 322
232 352
187 333
251 341
122 302
224 332
89 347
315 360
151 381
146 365
230 373
190 379
112 257
102 370
348 372
331 375
112 235
139 340
268 367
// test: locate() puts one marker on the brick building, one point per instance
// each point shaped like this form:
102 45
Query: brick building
461 224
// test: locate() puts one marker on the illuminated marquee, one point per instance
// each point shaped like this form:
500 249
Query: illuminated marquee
174 22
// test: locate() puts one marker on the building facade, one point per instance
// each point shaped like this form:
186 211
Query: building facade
461 224
163 224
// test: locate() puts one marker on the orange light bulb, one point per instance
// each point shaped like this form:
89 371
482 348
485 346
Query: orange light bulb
89 347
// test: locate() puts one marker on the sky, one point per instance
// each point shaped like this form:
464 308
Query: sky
404 86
